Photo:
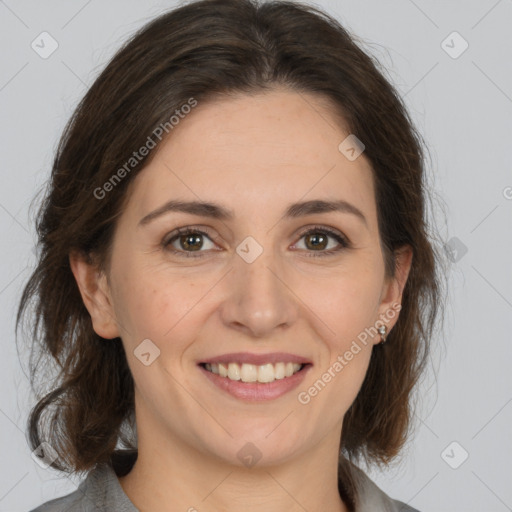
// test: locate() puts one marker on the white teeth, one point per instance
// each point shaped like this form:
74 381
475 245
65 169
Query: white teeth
253 373
266 373
279 371
223 370
234 371
249 373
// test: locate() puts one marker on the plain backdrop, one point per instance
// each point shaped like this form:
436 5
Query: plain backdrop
451 61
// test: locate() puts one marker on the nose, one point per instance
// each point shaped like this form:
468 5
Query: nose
259 301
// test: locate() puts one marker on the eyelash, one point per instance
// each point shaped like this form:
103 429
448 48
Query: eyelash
343 241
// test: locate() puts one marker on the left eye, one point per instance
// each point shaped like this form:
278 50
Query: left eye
191 241
318 238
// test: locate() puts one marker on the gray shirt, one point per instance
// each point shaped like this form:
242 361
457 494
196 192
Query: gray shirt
102 492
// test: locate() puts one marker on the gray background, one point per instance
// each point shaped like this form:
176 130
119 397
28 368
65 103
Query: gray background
463 108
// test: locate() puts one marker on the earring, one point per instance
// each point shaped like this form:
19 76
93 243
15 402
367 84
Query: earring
383 333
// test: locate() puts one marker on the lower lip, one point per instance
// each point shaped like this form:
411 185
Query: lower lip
257 391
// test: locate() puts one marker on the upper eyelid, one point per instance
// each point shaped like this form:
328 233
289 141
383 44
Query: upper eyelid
188 229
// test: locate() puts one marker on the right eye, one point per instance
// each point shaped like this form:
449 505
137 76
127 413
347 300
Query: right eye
190 241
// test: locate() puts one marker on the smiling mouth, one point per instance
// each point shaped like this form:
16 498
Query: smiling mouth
248 373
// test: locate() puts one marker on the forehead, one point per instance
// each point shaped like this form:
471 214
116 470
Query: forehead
254 151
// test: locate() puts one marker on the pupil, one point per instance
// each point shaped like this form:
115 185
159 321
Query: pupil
194 238
315 242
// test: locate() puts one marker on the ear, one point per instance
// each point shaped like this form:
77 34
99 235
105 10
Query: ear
393 288
95 293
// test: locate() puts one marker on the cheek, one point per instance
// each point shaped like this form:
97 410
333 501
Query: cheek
149 300
339 377
350 309
154 310
349 305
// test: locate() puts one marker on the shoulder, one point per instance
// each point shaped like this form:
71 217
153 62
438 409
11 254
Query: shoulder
371 497
99 492
73 502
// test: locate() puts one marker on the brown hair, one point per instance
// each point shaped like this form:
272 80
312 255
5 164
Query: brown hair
203 50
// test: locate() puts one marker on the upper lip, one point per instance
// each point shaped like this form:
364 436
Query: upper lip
257 359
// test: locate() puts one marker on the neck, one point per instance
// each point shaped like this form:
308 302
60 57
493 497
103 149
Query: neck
170 474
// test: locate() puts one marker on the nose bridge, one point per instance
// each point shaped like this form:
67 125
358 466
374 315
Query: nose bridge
258 301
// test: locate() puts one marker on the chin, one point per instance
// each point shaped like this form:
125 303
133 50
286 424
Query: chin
257 443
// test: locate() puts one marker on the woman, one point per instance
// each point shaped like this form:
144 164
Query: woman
236 281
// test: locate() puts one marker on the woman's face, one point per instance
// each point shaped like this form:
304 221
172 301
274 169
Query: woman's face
249 292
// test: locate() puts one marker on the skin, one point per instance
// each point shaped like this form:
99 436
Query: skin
254 155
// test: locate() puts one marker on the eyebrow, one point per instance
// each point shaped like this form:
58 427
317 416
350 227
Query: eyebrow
215 211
